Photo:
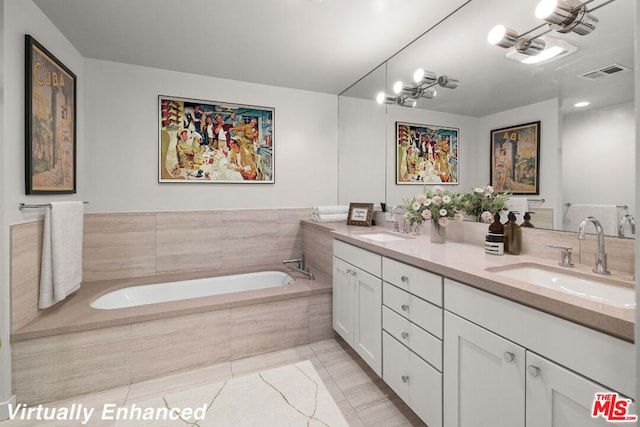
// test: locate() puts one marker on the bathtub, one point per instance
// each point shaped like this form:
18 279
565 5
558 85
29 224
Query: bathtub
174 291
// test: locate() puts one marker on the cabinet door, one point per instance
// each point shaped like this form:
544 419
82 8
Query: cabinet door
367 339
483 377
343 299
557 397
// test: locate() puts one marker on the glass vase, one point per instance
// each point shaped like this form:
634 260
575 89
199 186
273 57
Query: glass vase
438 233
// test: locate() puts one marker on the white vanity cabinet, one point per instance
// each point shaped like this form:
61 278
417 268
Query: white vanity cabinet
509 365
357 300
412 338
484 377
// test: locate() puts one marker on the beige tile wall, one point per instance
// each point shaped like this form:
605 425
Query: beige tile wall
62 366
124 245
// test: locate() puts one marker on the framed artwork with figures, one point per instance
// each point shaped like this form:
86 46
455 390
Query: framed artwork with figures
426 154
204 141
515 159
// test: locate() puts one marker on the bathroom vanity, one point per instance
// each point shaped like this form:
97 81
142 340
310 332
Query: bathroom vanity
464 345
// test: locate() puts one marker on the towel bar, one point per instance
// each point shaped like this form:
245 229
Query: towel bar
568 204
22 206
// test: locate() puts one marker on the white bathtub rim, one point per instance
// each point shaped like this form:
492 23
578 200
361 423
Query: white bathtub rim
286 278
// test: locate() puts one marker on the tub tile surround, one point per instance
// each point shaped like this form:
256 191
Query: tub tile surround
131 245
60 365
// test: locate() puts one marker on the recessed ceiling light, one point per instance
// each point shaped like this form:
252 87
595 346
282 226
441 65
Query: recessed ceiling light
581 104
543 56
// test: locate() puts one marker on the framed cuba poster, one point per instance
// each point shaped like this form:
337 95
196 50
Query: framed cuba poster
50 122
515 159
215 142
426 154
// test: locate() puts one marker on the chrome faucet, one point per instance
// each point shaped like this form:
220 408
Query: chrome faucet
396 224
623 220
300 266
601 256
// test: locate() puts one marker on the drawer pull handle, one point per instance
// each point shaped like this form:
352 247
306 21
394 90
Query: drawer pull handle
404 279
404 307
509 356
405 378
533 370
405 335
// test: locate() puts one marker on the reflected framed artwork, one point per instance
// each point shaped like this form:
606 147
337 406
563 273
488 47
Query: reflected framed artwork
426 154
360 214
515 159
50 122
215 142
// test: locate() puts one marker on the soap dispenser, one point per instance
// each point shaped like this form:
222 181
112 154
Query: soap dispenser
527 221
512 236
494 241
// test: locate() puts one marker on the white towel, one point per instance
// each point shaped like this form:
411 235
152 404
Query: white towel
320 210
61 268
606 214
329 217
515 204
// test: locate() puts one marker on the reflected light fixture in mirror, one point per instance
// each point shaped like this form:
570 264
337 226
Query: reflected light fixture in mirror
407 95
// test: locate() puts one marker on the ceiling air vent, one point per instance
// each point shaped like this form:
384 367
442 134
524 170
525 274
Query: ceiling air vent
605 72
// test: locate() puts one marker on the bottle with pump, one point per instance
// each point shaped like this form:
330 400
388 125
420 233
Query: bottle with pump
494 241
527 221
512 236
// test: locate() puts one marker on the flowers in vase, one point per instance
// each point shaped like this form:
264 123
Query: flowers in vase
437 205
483 203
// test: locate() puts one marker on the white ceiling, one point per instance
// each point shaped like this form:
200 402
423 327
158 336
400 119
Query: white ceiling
317 45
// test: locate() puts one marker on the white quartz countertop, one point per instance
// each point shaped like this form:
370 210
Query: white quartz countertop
469 264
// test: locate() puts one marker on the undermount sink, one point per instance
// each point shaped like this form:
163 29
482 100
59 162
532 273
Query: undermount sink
384 237
571 283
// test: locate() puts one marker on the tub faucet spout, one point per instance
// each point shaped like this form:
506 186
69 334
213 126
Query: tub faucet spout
300 266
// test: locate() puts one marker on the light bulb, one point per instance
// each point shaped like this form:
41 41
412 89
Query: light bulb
496 34
581 104
545 8
380 98
397 87
418 75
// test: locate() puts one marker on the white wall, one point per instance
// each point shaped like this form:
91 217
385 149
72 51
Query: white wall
548 113
361 153
121 159
598 150
23 17
469 142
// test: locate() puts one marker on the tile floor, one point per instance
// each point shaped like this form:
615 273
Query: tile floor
363 398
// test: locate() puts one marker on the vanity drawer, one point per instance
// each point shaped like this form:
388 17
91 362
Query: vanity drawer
426 285
365 260
413 379
419 311
417 339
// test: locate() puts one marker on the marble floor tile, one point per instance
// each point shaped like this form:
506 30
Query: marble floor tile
179 382
274 359
350 385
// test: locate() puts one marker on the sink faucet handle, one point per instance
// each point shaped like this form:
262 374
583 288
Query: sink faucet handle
565 255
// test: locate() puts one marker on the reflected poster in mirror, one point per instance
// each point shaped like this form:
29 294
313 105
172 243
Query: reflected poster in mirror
426 154
215 142
515 159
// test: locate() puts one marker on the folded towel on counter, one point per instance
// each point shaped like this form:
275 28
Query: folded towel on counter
61 267
329 217
321 210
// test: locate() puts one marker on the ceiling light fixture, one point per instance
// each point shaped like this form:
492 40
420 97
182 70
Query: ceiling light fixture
408 95
562 16
581 104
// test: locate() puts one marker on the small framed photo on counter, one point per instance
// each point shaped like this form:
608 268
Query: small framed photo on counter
360 214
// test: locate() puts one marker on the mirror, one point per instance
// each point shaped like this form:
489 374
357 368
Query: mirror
587 155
